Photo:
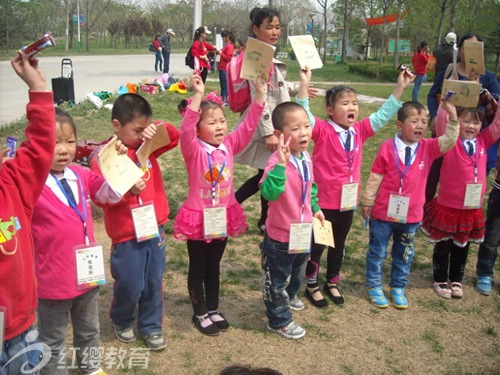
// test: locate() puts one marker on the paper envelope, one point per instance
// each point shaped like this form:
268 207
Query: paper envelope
467 92
474 56
306 52
258 59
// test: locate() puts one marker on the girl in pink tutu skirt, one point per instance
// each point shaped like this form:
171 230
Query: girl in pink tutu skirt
455 219
211 213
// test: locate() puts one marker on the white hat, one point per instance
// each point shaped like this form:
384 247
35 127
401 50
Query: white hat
206 31
451 38
170 31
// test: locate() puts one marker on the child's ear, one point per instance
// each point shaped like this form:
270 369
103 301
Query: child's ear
116 125
399 125
277 133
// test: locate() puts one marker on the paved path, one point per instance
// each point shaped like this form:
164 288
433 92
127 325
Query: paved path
92 73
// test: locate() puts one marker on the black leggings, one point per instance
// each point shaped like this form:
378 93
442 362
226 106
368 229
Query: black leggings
341 224
203 74
446 253
204 274
250 188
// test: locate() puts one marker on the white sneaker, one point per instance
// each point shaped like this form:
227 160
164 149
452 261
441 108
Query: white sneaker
296 304
291 331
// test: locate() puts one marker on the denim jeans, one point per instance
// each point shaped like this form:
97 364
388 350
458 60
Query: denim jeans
416 87
223 84
138 268
53 317
402 252
488 250
158 61
283 275
23 353
166 60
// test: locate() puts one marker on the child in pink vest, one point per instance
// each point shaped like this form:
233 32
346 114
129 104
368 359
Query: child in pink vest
394 198
455 218
338 151
211 213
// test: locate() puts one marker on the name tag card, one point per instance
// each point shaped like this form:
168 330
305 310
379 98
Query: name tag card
145 224
89 266
300 238
349 199
473 195
214 222
323 234
398 207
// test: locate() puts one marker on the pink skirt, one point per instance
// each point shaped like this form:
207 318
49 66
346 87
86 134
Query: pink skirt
188 224
442 223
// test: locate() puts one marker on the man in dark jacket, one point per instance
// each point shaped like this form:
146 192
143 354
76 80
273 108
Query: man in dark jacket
444 53
165 48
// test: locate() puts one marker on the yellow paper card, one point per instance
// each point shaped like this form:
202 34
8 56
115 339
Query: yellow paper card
306 52
323 234
258 58
467 92
159 140
120 171
474 56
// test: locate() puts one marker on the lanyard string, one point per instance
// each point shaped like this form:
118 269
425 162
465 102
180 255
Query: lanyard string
305 179
347 144
472 157
72 203
217 180
402 173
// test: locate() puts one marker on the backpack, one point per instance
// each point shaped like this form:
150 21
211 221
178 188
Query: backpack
189 59
152 47
238 89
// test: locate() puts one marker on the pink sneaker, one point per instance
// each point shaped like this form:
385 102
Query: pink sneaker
442 290
456 290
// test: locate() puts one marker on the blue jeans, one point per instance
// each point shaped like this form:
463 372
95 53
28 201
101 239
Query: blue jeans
402 252
158 61
223 84
138 268
283 275
488 250
23 353
166 60
416 87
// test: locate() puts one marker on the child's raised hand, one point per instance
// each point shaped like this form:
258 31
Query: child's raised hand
260 89
450 109
305 75
283 150
138 187
403 81
29 71
197 84
149 132
120 148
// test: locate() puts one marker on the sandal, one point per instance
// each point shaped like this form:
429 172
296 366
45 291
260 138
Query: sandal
338 300
322 302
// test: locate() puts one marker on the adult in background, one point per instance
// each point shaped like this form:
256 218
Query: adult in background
444 53
419 61
226 54
158 53
266 27
488 81
165 51
200 49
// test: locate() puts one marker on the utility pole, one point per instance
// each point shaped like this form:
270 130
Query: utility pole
271 3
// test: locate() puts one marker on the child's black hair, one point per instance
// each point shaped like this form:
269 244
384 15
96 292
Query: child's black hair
63 117
406 107
333 94
280 112
229 35
476 113
128 107
204 106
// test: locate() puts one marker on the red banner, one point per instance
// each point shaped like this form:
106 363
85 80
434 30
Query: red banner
380 20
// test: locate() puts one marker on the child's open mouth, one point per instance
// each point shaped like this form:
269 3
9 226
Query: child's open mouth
351 116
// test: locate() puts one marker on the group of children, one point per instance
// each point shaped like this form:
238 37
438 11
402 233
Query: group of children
297 186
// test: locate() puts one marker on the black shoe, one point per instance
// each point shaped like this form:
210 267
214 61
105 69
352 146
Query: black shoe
338 300
223 325
318 303
210 330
